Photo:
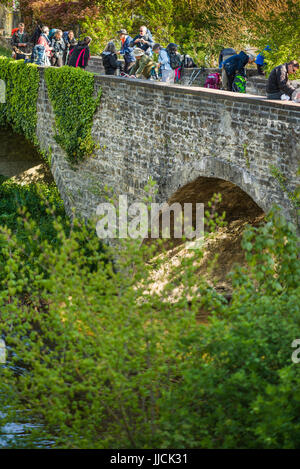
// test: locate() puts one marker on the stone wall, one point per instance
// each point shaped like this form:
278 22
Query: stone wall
175 134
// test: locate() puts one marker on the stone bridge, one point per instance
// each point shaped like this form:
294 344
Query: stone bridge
176 135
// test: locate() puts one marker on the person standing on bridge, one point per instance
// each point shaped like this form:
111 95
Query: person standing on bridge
126 49
110 60
167 72
80 55
143 40
58 49
278 81
20 41
233 65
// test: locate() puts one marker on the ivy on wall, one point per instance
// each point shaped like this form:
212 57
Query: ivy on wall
22 85
71 92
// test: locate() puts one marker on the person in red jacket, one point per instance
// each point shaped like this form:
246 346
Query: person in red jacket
20 42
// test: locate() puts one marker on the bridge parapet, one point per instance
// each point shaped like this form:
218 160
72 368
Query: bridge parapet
174 134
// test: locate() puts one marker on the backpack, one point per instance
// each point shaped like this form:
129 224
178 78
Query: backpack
65 36
14 31
38 55
239 84
174 56
52 33
188 62
213 81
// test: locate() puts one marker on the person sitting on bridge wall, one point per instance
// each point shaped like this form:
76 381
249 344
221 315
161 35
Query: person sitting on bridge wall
143 40
126 49
278 81
233 65
20 41
143 66
80 55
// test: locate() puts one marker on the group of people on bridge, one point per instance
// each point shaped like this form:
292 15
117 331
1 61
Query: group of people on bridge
50 47
57 48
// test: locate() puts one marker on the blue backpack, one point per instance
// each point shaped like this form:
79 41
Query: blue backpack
38 55
51 33
65 36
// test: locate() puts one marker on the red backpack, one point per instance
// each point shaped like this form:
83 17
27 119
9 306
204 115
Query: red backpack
213 81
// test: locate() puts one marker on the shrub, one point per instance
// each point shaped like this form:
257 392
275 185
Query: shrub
4 52
71 91
108 362
22 84
281 31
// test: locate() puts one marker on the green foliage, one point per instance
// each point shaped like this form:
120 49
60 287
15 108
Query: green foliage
281 31
5 52
71 92
292 195
22 84
44 205
100 359
38 199
103 28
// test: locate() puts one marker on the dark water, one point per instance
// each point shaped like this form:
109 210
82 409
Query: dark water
16 154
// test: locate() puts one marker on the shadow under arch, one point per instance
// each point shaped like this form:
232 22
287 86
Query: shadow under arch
241 210
214 169
237 204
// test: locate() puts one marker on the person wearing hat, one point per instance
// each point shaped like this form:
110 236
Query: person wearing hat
126 49
143 66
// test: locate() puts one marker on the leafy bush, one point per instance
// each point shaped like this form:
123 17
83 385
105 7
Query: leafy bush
71 91
101 359
5 52
281 31
42 201
22 84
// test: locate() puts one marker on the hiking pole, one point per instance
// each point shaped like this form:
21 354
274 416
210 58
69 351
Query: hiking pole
195 75
67 56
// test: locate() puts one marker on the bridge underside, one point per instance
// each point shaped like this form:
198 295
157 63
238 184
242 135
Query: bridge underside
235 202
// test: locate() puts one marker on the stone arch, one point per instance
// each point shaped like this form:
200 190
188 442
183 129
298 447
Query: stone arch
215 168
241 210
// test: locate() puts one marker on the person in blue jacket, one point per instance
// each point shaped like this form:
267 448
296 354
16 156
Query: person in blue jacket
236 64
144 40
260 61
225 54
126 49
